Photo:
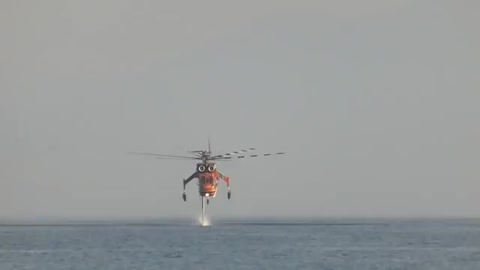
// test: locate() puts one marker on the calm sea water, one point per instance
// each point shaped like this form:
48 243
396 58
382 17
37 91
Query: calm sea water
437 245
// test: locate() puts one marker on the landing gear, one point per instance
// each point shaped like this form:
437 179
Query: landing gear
229 194
208 201
184 196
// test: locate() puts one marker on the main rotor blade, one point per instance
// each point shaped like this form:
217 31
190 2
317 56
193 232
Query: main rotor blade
197 151
221 159
174 158
252 156
164 156
234 153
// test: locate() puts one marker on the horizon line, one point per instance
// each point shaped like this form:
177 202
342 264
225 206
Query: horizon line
45 221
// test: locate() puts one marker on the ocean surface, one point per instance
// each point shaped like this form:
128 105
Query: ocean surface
425 245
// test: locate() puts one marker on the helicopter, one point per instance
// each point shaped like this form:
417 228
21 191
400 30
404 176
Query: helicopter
207 172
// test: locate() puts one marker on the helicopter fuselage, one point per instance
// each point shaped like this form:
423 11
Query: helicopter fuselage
208 177
208 184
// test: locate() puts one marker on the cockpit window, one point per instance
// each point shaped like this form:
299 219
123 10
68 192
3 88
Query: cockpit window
207 180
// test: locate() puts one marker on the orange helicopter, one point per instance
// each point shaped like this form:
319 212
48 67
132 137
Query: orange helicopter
207 172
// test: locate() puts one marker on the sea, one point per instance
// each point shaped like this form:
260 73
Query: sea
347 244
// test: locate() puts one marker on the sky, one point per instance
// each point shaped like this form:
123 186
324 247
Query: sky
376 104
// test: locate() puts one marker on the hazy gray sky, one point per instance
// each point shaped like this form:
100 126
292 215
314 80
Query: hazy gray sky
377 105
